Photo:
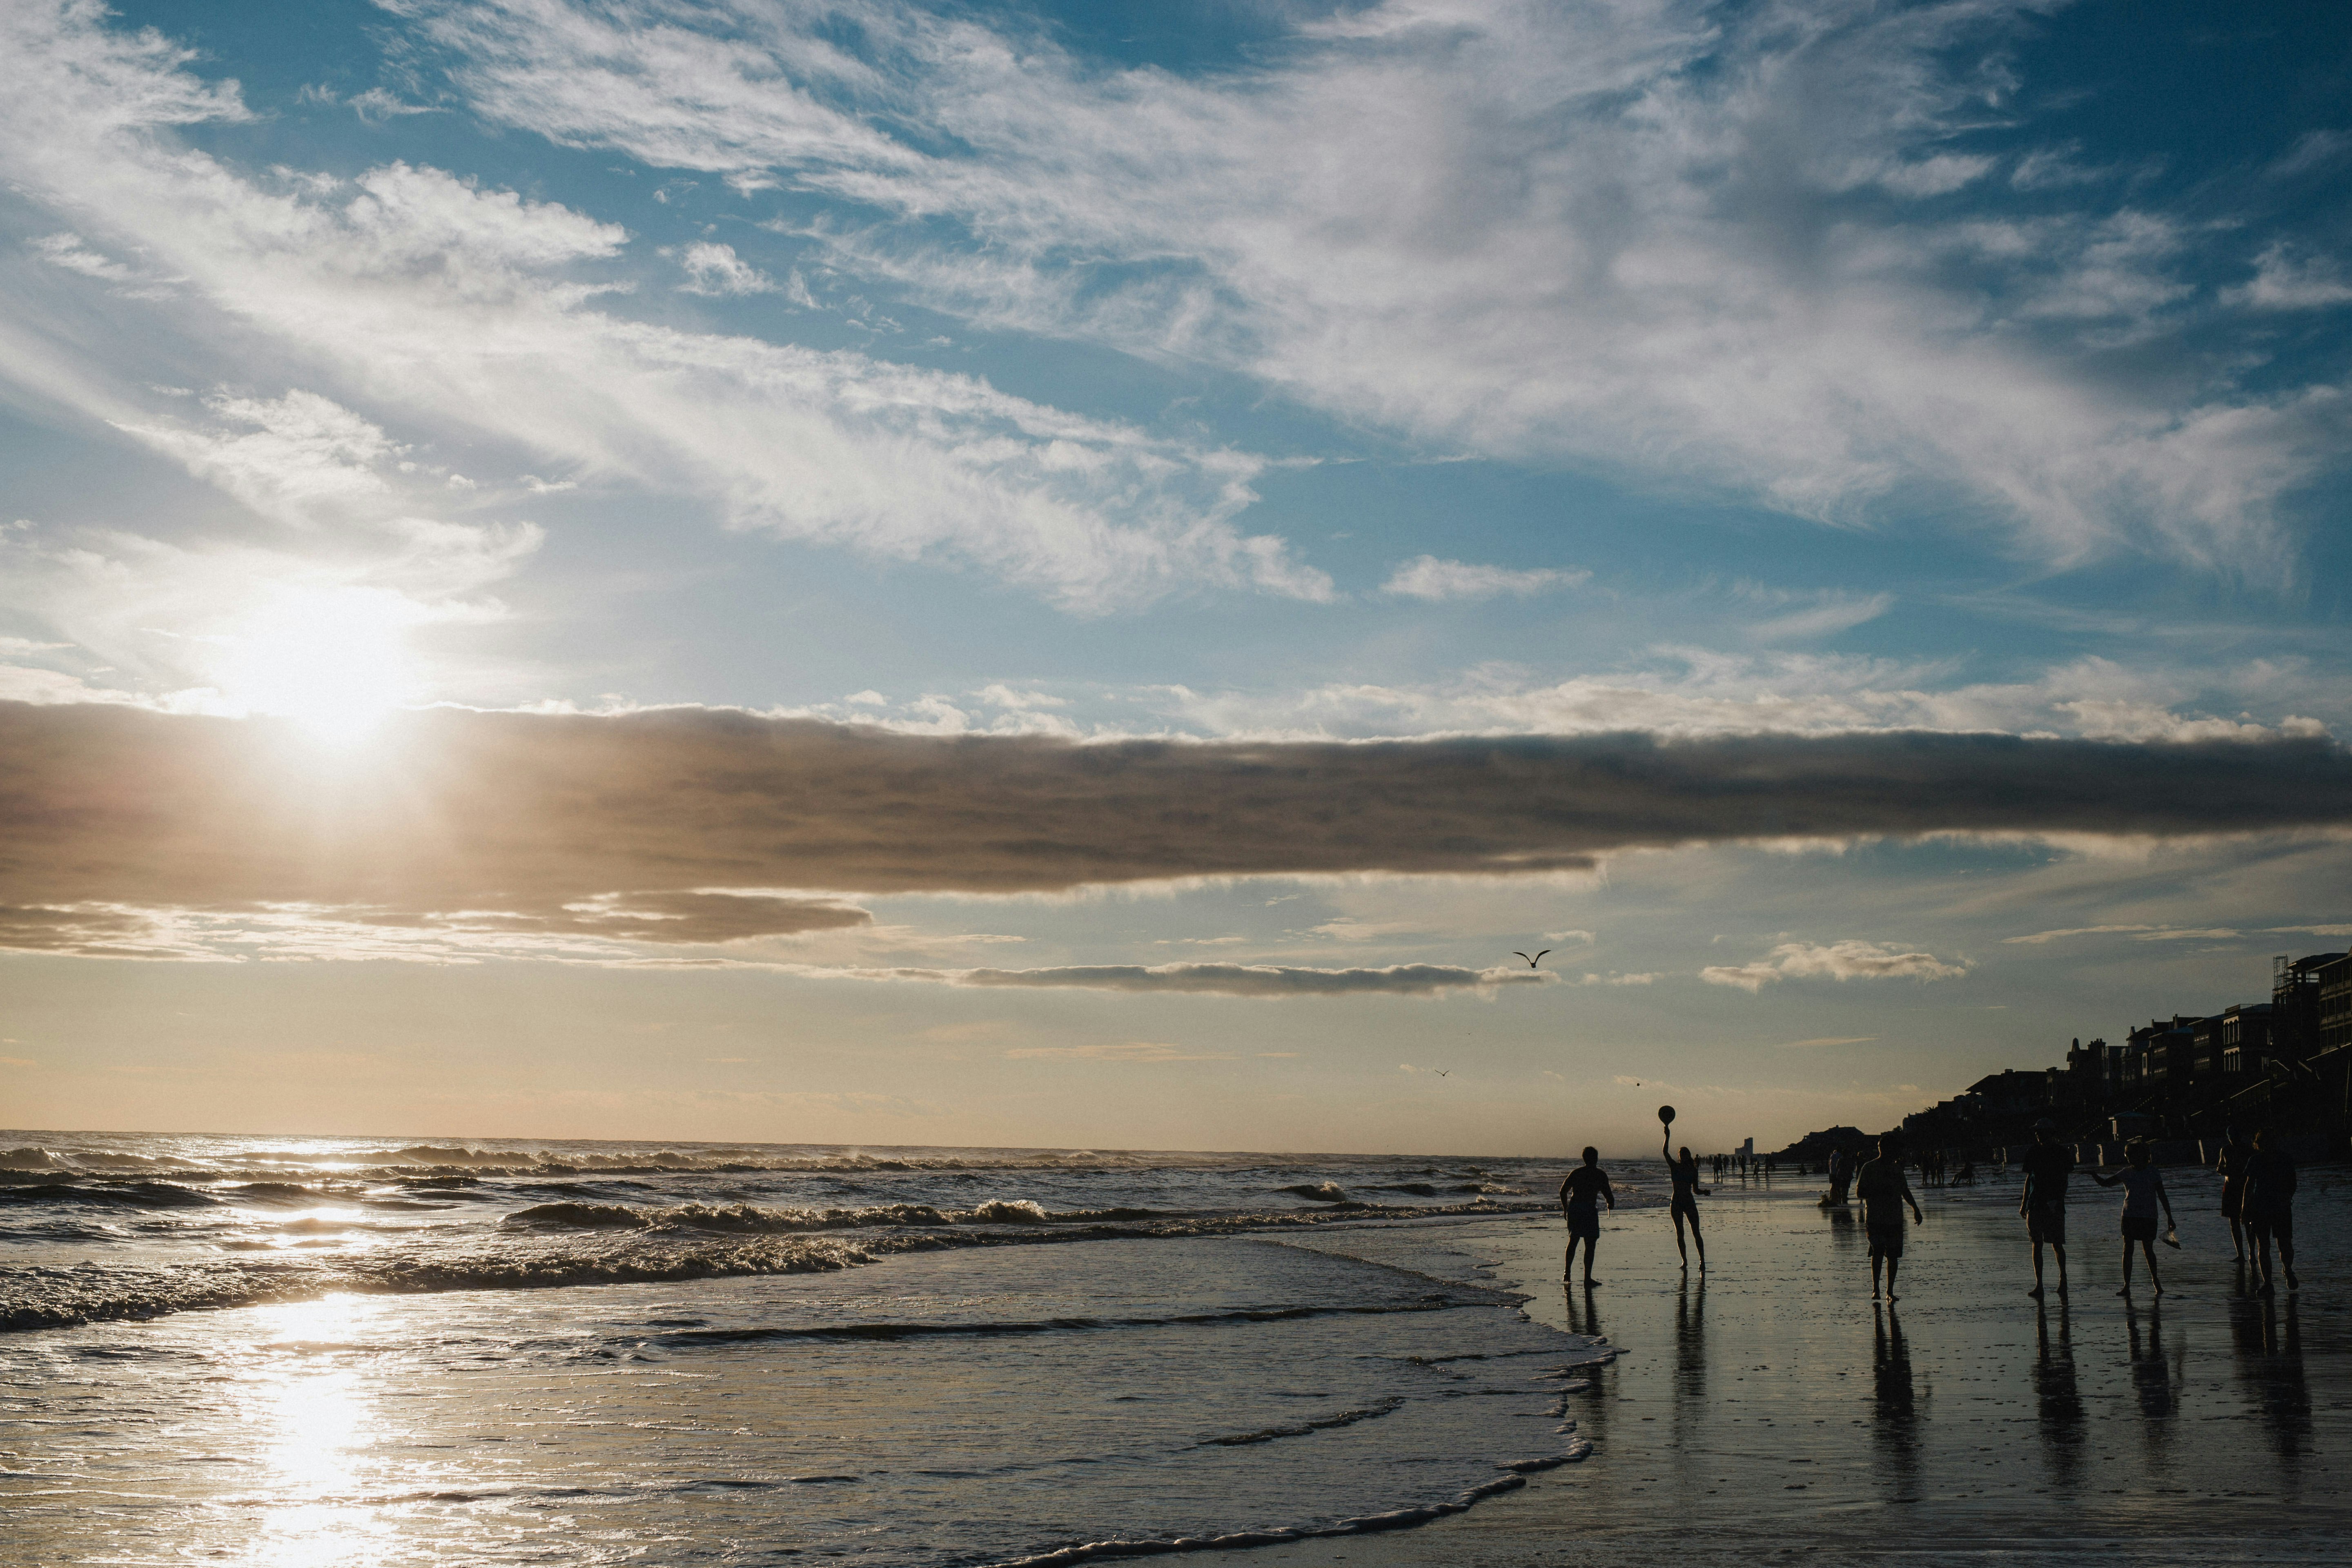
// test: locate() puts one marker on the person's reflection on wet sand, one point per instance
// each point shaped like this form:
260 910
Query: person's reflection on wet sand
2268 1338
2152 1386
1690 1340
1893 1405
1583 1314
2151 1379
2061 1401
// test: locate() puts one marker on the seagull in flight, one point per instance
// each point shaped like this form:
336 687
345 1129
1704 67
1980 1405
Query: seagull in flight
1531 962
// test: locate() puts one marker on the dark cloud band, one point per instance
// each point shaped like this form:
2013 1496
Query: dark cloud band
631 825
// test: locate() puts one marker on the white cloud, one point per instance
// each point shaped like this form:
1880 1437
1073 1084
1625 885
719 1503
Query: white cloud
67 250
1689 691
717 269
425 299
2284 281
1427 577
1624 234
1842 961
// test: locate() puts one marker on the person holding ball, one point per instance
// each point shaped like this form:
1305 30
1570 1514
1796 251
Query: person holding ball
1684 1207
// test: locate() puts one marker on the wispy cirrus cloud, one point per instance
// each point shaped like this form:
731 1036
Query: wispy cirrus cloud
1427 577
425 299
1699 244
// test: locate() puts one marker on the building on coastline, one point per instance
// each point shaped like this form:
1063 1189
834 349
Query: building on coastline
2283 1063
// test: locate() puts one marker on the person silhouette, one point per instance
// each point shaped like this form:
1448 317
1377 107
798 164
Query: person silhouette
2231 1164
2143 1186
1684 1207
1579 1200
2046 1165
2270 1209
1883 1190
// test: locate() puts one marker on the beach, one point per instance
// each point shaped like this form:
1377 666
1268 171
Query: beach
1770 1409
1320 1375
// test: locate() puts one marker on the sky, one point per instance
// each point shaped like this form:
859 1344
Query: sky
1091 575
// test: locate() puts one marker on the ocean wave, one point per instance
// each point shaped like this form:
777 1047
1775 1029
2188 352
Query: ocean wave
60 1298
123 1194
1306 1429
634 1251
1395 1519
1318 1191
752 1219
1012 1328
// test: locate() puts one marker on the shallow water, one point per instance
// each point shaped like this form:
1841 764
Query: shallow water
934 1392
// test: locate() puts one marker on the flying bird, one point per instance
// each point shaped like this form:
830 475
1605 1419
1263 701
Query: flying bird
1446 1075
1531 962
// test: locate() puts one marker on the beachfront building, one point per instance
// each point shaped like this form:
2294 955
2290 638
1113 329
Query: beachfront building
2285 1063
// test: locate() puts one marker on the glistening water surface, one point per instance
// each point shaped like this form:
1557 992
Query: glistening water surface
584 1353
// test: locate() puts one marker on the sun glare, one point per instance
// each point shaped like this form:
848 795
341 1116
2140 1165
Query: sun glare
336 661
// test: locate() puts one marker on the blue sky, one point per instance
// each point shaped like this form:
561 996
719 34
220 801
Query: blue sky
1265 373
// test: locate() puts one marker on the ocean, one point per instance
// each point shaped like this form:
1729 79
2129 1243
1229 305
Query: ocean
337 1349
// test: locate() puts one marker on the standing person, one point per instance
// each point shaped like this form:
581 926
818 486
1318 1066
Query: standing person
2231 1163
2270 1207
1685 1173
2143 1186
1579 1200
1840 1174
1883 1190
2043 1203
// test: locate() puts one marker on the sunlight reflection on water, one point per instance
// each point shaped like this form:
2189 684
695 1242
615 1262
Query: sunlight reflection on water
317 1422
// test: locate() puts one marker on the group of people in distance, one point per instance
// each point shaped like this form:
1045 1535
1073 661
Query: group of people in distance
2258 1184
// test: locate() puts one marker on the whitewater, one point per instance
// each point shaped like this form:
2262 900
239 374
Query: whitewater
525 1351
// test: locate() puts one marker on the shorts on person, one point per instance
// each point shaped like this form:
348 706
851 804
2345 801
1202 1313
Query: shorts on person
1686 1208
1886 1240
1584 1221
2140 1227
2275 1222
2046 1222
2234 1199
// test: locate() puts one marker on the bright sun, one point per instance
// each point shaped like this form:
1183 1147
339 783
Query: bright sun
336 660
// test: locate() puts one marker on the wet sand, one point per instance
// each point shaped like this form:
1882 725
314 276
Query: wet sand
1767 1412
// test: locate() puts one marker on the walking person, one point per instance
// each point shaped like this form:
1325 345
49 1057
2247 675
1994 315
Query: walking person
1883 1190
2270 1209
2143 1186
1685 1173
1579 1200
2231 1163
2046 1165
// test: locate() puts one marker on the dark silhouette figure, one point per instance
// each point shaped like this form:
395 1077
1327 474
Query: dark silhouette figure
1883 1190
2043 1203
1579 1200
1531 962
2231 1164
1840 1175
2270 1209
2143 1186
1684 1207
